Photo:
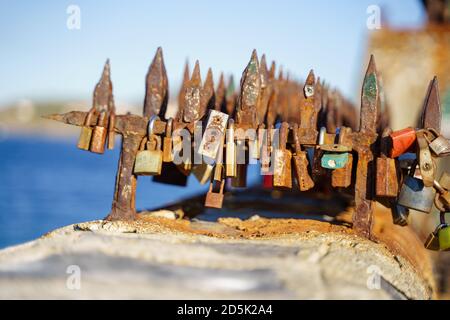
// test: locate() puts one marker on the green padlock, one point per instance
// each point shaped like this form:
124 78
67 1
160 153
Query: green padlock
444 238
334 160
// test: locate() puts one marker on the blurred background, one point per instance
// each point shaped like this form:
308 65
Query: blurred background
53 53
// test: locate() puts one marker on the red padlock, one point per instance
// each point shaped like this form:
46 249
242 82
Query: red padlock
268 182
402 141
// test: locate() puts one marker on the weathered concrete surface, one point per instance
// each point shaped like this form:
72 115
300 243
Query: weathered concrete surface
158 258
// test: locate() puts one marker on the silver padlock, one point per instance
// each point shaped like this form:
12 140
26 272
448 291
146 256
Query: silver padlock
416 196
438 143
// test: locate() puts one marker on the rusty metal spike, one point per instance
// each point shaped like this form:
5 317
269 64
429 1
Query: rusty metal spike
186 71
230 97
432 113
308 88
182 91
157 87
280 74
208 95
209 82
272 70
231 88
103 89
250 89
264 72
318 95
369 99
193 92
220 103
196 78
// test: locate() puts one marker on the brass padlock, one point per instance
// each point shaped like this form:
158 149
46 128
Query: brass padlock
444 238
304 180
426 164
444 181
230 150
386 177
219 168
415 195
203 172
215 199
437 143
84 141
432 242
99 134
342 177
282 174
442 199
149 157
167 142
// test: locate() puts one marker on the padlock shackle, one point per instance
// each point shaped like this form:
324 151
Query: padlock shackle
87 121
442 218
151 125
143 144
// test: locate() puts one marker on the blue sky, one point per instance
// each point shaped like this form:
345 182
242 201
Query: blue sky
40 58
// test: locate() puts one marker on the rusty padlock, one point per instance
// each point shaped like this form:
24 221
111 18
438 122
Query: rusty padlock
99 134
386 184
342 177
215 199
282 174
402 141
438 144
84 141
301 164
